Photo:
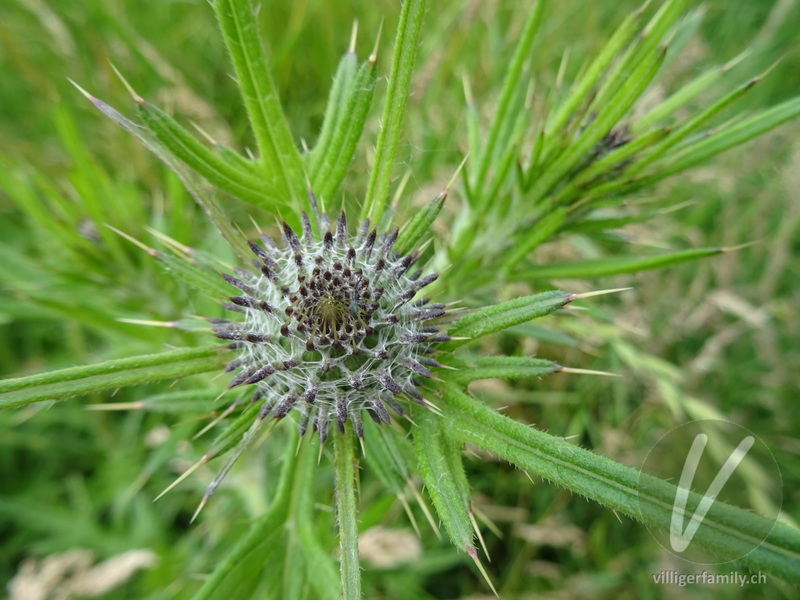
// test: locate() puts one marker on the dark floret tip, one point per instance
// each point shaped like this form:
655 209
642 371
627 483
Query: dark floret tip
243 377
264 412
229 335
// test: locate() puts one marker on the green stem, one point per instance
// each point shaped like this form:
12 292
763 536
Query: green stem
321 572
347 513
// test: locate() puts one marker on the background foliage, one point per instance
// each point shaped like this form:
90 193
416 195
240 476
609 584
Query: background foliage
717 335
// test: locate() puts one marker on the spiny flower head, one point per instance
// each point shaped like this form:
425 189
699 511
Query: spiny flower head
330 327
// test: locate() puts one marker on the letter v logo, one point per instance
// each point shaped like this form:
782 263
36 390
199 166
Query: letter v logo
708 462
680 537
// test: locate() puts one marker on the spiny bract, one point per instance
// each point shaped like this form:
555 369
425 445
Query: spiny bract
330 328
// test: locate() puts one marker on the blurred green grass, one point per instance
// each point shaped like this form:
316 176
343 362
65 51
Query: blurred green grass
75 478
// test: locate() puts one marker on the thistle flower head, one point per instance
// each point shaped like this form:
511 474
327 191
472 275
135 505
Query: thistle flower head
330 328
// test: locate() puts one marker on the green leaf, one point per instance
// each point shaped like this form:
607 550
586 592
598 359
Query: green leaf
613 265
184 265
503 367
725 138
232 435
320 571
295 570
613 159
473 136
341 90
439 467
686 129
513 89
617 486
265 539
278 154
228 177
285 538
334 163
419 225
199 401
681 96
593 225
236 160
200 279
385 458
111 374
644 49
608 116
538 233
197 188
507 314
394 108
583 87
